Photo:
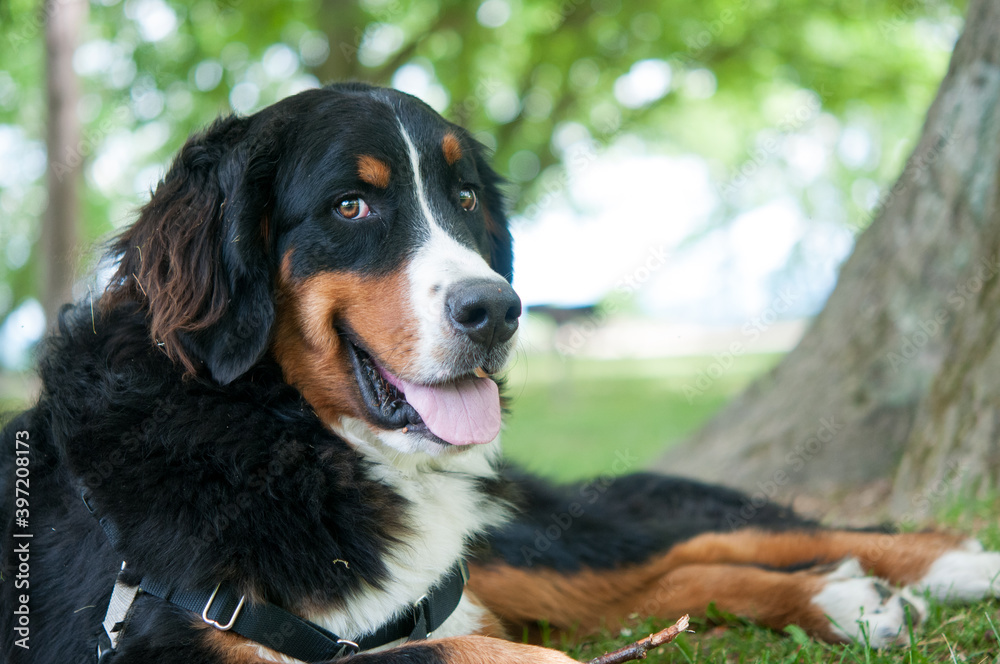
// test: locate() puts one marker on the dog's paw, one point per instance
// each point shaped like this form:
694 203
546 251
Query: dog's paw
963 575
866 609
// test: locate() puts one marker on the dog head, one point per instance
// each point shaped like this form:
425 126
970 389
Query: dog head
356 236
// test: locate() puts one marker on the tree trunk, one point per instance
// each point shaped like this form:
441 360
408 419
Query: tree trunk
953 448
63 19
909 311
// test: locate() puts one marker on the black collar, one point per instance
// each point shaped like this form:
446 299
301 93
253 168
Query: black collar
224 608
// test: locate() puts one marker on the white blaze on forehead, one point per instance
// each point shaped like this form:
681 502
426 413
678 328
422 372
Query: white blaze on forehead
438 263
468 261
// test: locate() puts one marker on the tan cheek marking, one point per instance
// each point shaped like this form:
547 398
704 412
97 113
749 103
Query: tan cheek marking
374 171
452 149
311 354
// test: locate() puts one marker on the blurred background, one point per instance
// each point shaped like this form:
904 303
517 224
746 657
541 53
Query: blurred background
685 177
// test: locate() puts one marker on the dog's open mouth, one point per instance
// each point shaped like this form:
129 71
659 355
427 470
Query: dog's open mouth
465 411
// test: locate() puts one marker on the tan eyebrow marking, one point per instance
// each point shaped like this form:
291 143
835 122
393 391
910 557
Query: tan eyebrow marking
373 171
452 149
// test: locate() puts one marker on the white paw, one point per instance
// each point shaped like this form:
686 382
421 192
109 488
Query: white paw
848 568
867 610
964 575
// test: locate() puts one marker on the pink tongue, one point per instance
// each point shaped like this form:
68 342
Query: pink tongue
463 413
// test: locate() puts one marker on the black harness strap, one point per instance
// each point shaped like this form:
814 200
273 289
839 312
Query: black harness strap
224 608
427 614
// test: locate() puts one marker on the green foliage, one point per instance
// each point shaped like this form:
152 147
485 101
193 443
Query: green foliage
549 68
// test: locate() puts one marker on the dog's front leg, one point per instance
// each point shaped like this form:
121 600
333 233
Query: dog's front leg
227 648
465 650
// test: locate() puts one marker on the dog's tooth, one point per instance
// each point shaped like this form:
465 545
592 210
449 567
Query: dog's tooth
479 371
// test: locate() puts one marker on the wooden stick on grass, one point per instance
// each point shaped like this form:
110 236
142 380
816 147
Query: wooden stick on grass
639 649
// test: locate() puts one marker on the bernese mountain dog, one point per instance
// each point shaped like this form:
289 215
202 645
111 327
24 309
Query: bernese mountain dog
274 438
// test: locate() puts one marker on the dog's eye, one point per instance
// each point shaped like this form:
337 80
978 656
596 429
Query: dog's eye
467 199
353 208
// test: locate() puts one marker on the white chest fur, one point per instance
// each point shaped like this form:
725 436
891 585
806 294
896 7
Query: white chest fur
446 510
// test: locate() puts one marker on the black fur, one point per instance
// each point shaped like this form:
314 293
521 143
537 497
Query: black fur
613 521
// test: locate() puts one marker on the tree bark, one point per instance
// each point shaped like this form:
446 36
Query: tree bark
837 413
60 224
953 449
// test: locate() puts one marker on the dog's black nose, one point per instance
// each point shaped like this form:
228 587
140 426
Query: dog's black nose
485 311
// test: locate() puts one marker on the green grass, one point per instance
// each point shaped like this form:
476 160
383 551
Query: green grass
951 633
573 418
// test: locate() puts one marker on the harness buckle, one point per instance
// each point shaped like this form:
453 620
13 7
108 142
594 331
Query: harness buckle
216 624
103 647
463 569
421 618
350 647
85 497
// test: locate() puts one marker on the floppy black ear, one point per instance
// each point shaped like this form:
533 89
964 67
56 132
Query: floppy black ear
239 337
199 258
497 225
